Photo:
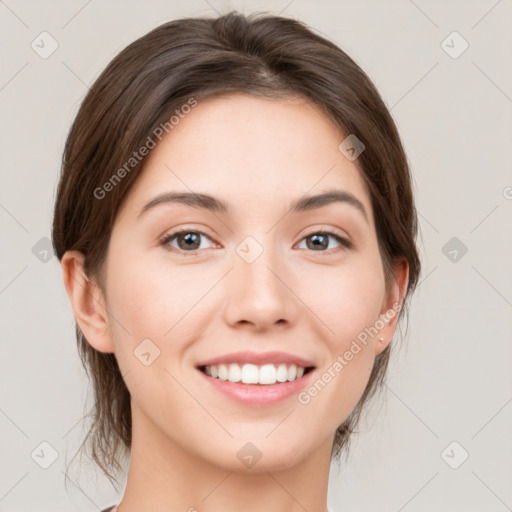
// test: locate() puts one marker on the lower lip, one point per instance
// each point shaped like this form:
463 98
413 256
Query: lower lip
259 394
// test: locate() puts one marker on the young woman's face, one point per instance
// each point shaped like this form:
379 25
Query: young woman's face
257 286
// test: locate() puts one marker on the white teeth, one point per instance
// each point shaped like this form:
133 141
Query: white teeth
292 372
282 373
250 374
253 374
223 372
234 373
267 374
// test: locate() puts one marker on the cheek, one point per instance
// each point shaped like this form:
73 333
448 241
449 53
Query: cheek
172 307
346 299
152 298
156 301
153 313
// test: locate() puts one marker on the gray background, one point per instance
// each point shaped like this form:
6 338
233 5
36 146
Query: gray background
451 381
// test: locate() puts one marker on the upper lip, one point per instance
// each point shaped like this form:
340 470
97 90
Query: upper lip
257 358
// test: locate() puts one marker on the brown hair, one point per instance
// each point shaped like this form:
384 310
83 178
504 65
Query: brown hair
154 77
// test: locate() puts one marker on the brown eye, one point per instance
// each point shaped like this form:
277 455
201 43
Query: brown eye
320 241
186 240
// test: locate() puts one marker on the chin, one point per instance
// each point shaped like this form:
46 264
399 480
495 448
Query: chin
259 456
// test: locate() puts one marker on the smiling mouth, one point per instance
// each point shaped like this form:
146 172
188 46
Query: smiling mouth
266 374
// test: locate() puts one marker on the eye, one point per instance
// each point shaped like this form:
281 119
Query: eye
320 240
187 240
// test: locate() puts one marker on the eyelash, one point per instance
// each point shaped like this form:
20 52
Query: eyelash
168 237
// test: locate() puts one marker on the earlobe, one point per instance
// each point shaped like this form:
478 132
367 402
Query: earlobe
87 302
381 345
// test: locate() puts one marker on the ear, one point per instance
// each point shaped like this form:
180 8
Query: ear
392 305
87 301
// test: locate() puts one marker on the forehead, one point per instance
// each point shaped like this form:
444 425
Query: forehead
250 150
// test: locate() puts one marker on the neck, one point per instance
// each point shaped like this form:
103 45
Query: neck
163 476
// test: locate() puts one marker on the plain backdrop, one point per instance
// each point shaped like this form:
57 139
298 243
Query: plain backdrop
440 438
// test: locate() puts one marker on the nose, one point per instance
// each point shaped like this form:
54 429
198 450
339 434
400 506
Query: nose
259 293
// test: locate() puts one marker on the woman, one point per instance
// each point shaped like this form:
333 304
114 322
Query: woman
236 229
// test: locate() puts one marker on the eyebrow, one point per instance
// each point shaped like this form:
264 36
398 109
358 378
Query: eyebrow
213 204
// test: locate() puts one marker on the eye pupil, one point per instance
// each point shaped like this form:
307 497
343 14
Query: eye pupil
192 240
315 242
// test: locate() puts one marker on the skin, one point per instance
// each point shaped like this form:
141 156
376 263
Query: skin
258 155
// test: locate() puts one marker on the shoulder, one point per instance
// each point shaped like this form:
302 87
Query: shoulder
112 508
